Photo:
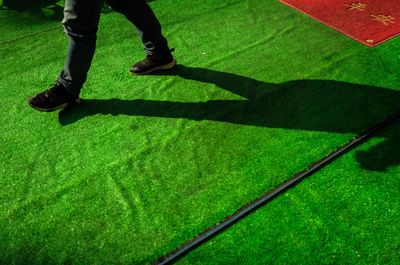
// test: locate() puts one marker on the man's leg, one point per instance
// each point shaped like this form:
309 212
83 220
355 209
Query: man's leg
81 18
155 44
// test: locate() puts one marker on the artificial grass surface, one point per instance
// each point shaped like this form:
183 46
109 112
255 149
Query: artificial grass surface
33 20
146 163
341 215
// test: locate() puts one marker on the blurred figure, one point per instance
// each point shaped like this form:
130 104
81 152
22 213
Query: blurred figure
32 5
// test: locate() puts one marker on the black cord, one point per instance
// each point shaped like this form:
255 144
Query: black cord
290 183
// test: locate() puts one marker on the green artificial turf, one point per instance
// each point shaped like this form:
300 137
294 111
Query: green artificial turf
35 18
148 162
346 214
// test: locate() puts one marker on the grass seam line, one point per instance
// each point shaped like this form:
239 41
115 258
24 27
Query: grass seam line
213 231
29 35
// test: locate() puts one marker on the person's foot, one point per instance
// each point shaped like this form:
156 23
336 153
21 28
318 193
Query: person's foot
53 99
151 64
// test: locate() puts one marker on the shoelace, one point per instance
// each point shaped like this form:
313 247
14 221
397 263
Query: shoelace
149 61
51 91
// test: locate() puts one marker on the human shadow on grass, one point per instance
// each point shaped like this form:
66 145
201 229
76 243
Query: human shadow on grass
383 155
311 105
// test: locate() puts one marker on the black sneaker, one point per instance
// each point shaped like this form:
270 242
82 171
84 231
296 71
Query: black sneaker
150 64
53 99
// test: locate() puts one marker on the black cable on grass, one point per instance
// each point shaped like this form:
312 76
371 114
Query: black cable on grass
249 208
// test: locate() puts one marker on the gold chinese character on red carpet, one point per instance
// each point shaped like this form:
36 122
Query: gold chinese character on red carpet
386 20
356 6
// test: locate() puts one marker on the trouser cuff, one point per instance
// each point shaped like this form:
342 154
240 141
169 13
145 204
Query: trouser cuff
70 87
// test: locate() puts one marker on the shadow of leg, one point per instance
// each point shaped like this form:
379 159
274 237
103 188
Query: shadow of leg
381 156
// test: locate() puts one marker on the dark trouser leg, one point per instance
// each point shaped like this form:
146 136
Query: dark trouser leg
81 18
140 14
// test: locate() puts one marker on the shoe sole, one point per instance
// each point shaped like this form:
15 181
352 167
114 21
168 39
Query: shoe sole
62 106
157 68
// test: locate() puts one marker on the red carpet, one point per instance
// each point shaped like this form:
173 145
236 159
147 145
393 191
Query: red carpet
368 21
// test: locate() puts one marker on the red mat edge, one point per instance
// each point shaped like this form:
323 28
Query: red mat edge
338 30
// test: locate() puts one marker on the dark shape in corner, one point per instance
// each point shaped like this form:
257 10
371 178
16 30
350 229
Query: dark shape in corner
30 5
